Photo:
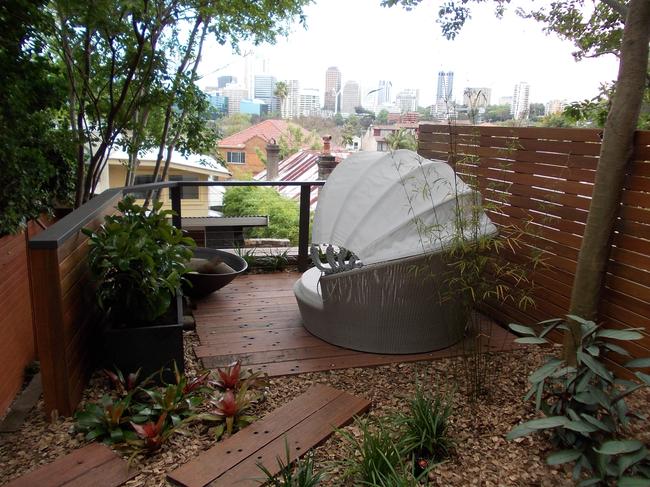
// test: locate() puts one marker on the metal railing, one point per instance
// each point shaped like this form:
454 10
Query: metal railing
69 226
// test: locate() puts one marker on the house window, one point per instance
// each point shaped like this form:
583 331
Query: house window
187 192
236 157
142 179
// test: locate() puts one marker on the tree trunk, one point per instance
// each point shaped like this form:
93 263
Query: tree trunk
615 155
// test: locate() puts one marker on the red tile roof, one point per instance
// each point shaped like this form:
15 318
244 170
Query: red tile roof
267 130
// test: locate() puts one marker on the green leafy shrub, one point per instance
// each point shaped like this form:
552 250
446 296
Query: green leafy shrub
424 427
137 259
374 456
297 474
585 406
283 212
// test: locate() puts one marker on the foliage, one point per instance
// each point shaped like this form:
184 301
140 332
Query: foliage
585 407
300 474
234 123
231 378
137 259
382 116
497 113
122 385
536 110
402 139
283 212
557 120
232 411
352 128
295 139
424 427
37 153
108 420
372 457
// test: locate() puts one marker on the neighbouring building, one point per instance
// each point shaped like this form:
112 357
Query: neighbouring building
520 107
244 151
555 106
477 97
407 117
444 95
265 90
351 97
383 93
332 90
407 100
375 137
197 201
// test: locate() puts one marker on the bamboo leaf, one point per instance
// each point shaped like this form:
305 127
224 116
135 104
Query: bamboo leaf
617 447
524 330
531 340
619 334
563 456
639 363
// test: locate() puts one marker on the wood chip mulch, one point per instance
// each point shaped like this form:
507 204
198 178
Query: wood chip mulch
482 455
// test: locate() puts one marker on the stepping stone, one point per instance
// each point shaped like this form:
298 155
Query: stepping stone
303 423
95 465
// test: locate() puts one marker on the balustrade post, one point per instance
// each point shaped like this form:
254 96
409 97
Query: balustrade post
175 196
303 228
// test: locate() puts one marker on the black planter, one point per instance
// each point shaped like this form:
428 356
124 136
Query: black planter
150 347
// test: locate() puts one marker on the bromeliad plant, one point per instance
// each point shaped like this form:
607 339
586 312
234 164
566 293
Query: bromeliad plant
138 260
585 406
232 411
232 378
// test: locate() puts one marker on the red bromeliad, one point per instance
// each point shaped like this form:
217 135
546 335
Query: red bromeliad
153 434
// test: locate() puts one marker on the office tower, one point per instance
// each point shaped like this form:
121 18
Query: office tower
265 90
254 64
407 100
223 81
332 89
350 97
445 89
477 97
292 103
309 102
520 106
383 95
234 94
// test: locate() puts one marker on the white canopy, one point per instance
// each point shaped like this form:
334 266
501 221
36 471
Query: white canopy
385 206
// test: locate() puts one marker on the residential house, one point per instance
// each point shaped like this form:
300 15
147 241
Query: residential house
375 137
244 151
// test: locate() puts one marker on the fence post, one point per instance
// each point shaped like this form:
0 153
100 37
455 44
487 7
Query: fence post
303 228
175 196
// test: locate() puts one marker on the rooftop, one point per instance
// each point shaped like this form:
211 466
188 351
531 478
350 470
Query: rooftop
267 130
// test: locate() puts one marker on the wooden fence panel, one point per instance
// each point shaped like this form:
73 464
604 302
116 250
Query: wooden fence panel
543 178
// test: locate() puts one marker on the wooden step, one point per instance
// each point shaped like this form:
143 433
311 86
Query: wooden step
301 424
94 465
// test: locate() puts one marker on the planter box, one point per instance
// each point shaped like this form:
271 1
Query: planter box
148 347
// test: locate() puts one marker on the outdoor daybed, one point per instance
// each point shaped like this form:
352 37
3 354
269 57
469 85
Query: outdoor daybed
394 213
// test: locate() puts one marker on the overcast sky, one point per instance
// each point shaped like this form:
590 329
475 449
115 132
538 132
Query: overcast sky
368 43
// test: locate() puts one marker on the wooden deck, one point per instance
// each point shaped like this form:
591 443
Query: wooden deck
255 319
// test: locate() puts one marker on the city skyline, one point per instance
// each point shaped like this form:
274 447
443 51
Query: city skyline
483 55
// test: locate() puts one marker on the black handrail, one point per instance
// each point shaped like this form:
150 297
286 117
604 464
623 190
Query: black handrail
66 228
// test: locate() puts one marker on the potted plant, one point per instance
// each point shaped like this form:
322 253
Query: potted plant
138 259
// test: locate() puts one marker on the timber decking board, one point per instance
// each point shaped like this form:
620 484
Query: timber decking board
94 465
269 336
302 423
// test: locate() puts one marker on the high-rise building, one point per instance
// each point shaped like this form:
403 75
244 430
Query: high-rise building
444 92
477 97
309 102
350 97
254 64
520 107
407 100
332 89
265 90
223 81
234 94
383 95
292 103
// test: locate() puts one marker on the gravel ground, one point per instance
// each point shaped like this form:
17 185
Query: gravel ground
482 456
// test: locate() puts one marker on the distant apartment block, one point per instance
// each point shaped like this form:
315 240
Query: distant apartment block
234 94
309 102
555 106
520 107
384 92
351 97
332 89
407 100
223 81
444 99
477 97
292 103
265 90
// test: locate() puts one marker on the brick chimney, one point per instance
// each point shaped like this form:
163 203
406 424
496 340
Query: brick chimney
272 160
326 161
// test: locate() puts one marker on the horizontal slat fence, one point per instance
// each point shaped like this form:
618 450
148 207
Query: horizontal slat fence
542 178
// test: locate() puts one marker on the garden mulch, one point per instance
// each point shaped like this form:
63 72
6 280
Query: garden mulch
482 456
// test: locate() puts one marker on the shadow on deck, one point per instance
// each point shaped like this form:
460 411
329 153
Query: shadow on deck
256 320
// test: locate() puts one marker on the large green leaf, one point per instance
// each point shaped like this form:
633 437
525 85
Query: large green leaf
617 447
633 482
595 366
531 340
644 377
580 426
536 424
563 456
545 370
619 334
639 363
521 329
626 461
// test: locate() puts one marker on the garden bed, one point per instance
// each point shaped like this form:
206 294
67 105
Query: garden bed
482 455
